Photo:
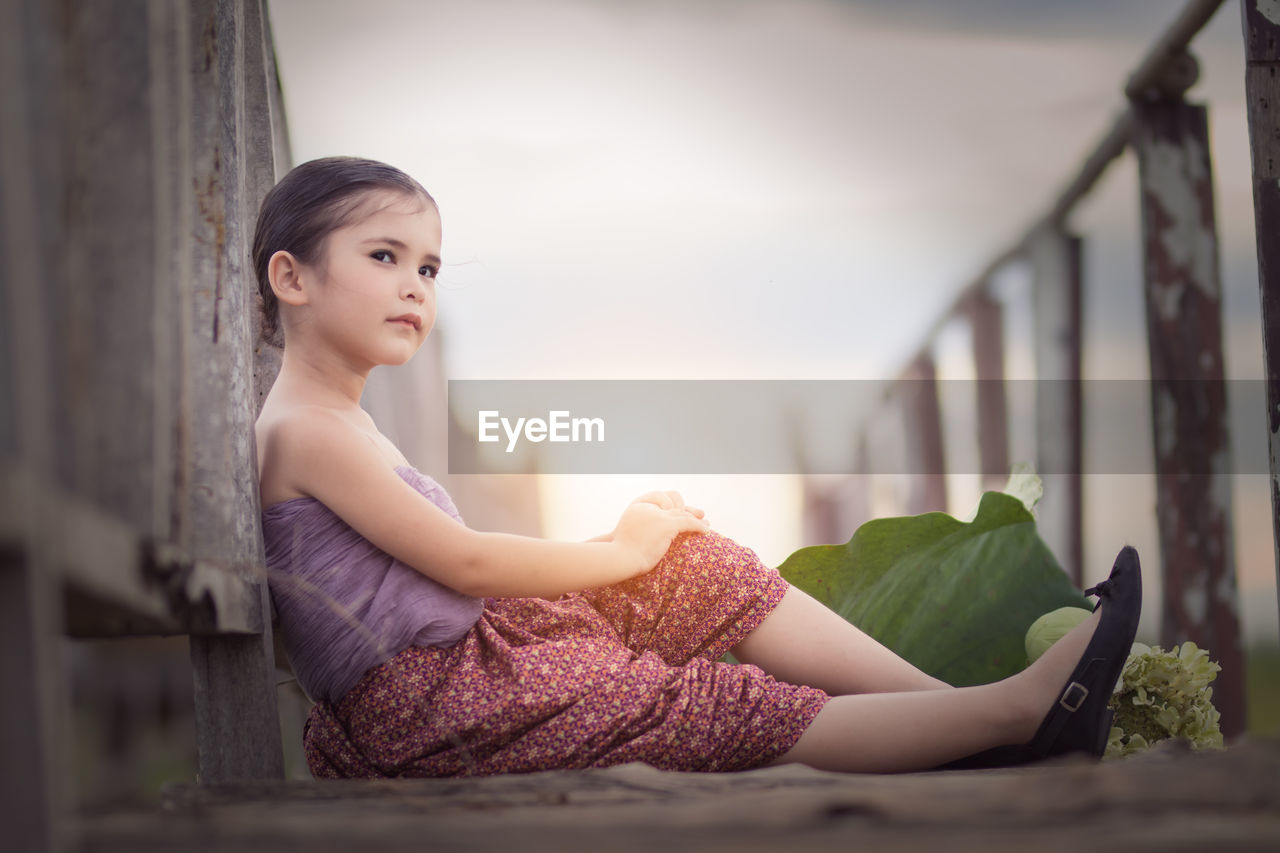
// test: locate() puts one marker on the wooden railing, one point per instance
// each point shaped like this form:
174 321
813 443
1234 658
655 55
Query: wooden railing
1192 450
138 141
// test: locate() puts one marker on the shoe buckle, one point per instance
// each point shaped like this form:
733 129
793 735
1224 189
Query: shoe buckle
1073 697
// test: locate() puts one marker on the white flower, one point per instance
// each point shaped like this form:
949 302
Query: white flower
1162 695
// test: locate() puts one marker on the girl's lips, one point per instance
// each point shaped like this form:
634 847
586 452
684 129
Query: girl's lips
408 319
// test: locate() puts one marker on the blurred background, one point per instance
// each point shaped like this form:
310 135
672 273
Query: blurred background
757 189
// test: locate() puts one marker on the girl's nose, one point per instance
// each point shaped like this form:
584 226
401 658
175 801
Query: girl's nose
415 289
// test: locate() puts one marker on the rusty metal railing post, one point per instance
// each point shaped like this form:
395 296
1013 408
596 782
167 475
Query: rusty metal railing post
1188 391
986 323
926 457
1262 94
1055 260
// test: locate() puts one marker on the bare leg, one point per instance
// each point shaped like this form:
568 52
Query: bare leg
805 642
894 732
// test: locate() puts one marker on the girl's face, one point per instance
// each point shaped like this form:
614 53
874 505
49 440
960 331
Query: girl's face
374 301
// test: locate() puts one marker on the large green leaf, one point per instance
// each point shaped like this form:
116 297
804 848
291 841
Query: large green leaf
954 598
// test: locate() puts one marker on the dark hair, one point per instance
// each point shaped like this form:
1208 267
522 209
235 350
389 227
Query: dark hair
313 200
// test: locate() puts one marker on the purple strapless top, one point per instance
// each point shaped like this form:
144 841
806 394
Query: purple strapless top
345 605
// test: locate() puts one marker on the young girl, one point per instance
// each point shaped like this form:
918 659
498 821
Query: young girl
436 650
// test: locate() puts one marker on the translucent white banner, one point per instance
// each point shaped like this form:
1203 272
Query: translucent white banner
816 426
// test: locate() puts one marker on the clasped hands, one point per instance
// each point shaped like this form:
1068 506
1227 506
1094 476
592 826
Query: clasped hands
653 520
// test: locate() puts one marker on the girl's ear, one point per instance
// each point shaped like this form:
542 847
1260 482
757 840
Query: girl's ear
284 271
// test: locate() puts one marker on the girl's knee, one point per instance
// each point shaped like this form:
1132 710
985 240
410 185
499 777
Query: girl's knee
709 548
714 560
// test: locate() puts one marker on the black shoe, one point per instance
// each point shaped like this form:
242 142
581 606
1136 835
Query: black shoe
1080 721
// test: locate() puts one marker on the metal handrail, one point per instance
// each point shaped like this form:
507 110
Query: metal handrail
1166 68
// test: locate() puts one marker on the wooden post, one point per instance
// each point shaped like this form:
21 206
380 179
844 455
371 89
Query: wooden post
834 505
857 503
986 320
1188 393
268 159
34 794
926 457
106 374
236 716
32 728
820 511
1055 258
819 508
1262 94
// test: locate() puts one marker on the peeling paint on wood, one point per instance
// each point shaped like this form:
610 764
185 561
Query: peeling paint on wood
1270 9
1261 23
1175 180
1188 391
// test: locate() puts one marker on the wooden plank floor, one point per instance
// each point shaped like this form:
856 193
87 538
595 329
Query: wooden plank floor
1166 800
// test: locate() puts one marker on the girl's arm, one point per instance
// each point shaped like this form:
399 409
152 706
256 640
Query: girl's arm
323 456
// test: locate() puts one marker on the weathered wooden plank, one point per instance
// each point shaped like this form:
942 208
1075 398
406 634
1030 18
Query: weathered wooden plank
260 111
1262 96
208 599
34 794
105 360
32 265
1188 392
95 543
1221 801
266 160
926 456
115 582
171 143
158 596
238 731
1055 259
986 321
281 148
90 552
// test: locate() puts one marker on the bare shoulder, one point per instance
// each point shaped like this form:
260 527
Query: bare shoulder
292 440
313 451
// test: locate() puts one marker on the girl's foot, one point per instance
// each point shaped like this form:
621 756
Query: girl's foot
1078 719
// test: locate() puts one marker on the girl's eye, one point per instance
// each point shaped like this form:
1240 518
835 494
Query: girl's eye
427 271
383 255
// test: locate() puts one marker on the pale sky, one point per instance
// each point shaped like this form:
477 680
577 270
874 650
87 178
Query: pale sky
791 189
